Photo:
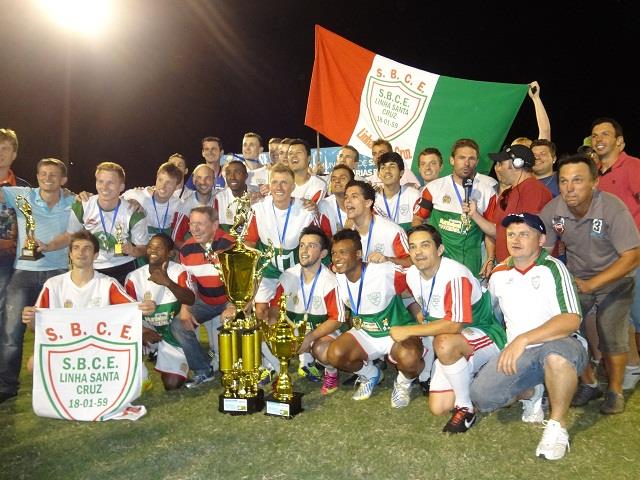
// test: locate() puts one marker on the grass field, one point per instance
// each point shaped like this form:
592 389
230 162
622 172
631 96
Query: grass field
184 436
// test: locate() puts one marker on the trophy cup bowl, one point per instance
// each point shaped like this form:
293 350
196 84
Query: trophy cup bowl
119 241
284 343
30 248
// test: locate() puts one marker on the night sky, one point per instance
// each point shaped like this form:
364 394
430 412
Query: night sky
168 73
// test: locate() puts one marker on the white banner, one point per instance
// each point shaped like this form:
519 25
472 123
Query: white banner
88 363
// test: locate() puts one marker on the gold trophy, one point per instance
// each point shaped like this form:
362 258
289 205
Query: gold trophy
120 239
284 339
240 339
30 248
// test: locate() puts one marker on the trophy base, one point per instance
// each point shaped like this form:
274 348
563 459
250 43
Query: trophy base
289 409
241 406
28 254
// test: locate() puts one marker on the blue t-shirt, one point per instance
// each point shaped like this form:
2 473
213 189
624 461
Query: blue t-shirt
50 222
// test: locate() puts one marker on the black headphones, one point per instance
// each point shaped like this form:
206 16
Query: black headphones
517 161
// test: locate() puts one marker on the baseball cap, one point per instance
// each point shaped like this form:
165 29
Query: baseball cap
511 152
530 219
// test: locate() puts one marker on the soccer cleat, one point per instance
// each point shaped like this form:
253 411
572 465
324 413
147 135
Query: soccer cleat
584 395
215 361
613 403
147 385
631 377
401 395
554 443
310 372
329 383
198 380
266 376
425 386
365 385
461 420
532 411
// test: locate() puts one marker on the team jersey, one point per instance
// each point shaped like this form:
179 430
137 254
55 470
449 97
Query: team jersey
100 291
332 216
532 297
267 223
398 208
210 287
226 205
257 176
322 305
132 226
139 287
441 204
380 306
386 237
160 216
313 189
454 294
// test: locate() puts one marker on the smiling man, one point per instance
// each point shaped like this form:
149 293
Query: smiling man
50 210
226 201
395 201
332 208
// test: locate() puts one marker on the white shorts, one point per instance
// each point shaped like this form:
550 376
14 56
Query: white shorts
266 290
171 360
483 350
375 347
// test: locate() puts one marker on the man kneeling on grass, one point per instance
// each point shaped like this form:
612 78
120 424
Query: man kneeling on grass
457 314
538 298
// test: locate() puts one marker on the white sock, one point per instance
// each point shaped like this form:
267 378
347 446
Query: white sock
459 376
367 371
269 360
331 371
429 358
403 380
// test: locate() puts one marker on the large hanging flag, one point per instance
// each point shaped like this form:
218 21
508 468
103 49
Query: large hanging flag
357 96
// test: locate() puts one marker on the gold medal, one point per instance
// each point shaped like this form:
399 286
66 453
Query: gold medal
147 296
356 322
68 304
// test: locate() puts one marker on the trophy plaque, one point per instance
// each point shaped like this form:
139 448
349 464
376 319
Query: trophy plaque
284 342
29 250
240 339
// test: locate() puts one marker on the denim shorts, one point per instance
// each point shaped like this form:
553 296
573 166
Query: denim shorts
491 389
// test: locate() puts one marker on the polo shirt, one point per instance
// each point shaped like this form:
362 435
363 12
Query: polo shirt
50 222
594 241
623 180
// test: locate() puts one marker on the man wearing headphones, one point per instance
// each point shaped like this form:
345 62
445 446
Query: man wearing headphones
524 193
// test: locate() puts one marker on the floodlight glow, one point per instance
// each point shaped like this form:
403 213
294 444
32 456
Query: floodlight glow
88 17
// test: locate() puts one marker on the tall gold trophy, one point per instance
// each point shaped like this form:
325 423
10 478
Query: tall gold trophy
284 339
240 338
30 247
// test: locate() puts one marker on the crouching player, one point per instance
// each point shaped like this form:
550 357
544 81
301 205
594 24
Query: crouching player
372 291
313 298
459 317
166 283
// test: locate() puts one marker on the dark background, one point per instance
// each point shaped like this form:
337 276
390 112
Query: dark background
168 73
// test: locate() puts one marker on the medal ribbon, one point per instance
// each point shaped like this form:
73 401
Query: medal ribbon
425 305
394 217
286 223
356 307
306 303
113 220
166 212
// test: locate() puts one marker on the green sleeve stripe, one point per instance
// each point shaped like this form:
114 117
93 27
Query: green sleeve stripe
78 210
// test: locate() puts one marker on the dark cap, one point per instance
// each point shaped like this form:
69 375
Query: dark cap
513 152
530 219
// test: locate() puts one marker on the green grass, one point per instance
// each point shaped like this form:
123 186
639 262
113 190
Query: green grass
184 436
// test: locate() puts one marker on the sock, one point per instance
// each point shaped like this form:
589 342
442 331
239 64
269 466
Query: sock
429 358
367 371
403 380
459 376
269 360
331 371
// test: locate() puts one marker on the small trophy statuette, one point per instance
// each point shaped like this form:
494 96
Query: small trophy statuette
30 248
120 239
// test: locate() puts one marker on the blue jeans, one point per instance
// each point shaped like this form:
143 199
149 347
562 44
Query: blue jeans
197 359
492 389
22 291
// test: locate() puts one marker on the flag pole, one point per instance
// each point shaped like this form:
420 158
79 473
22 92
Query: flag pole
318 152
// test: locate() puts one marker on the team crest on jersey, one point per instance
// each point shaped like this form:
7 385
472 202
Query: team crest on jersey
535 282
95 302
435 301
68 304
296 299
446 199
404 210
378 247
558 225
375 298
316 302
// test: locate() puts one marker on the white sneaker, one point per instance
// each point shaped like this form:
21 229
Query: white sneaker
554 443
631 377
401 395
365 385
215 361
532 411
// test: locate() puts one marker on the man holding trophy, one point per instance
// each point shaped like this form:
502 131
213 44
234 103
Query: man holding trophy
43 213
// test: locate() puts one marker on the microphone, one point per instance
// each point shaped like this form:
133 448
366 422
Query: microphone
467 184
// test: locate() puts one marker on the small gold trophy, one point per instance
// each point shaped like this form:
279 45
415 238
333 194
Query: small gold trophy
240 339
30 248
120 239
284 343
